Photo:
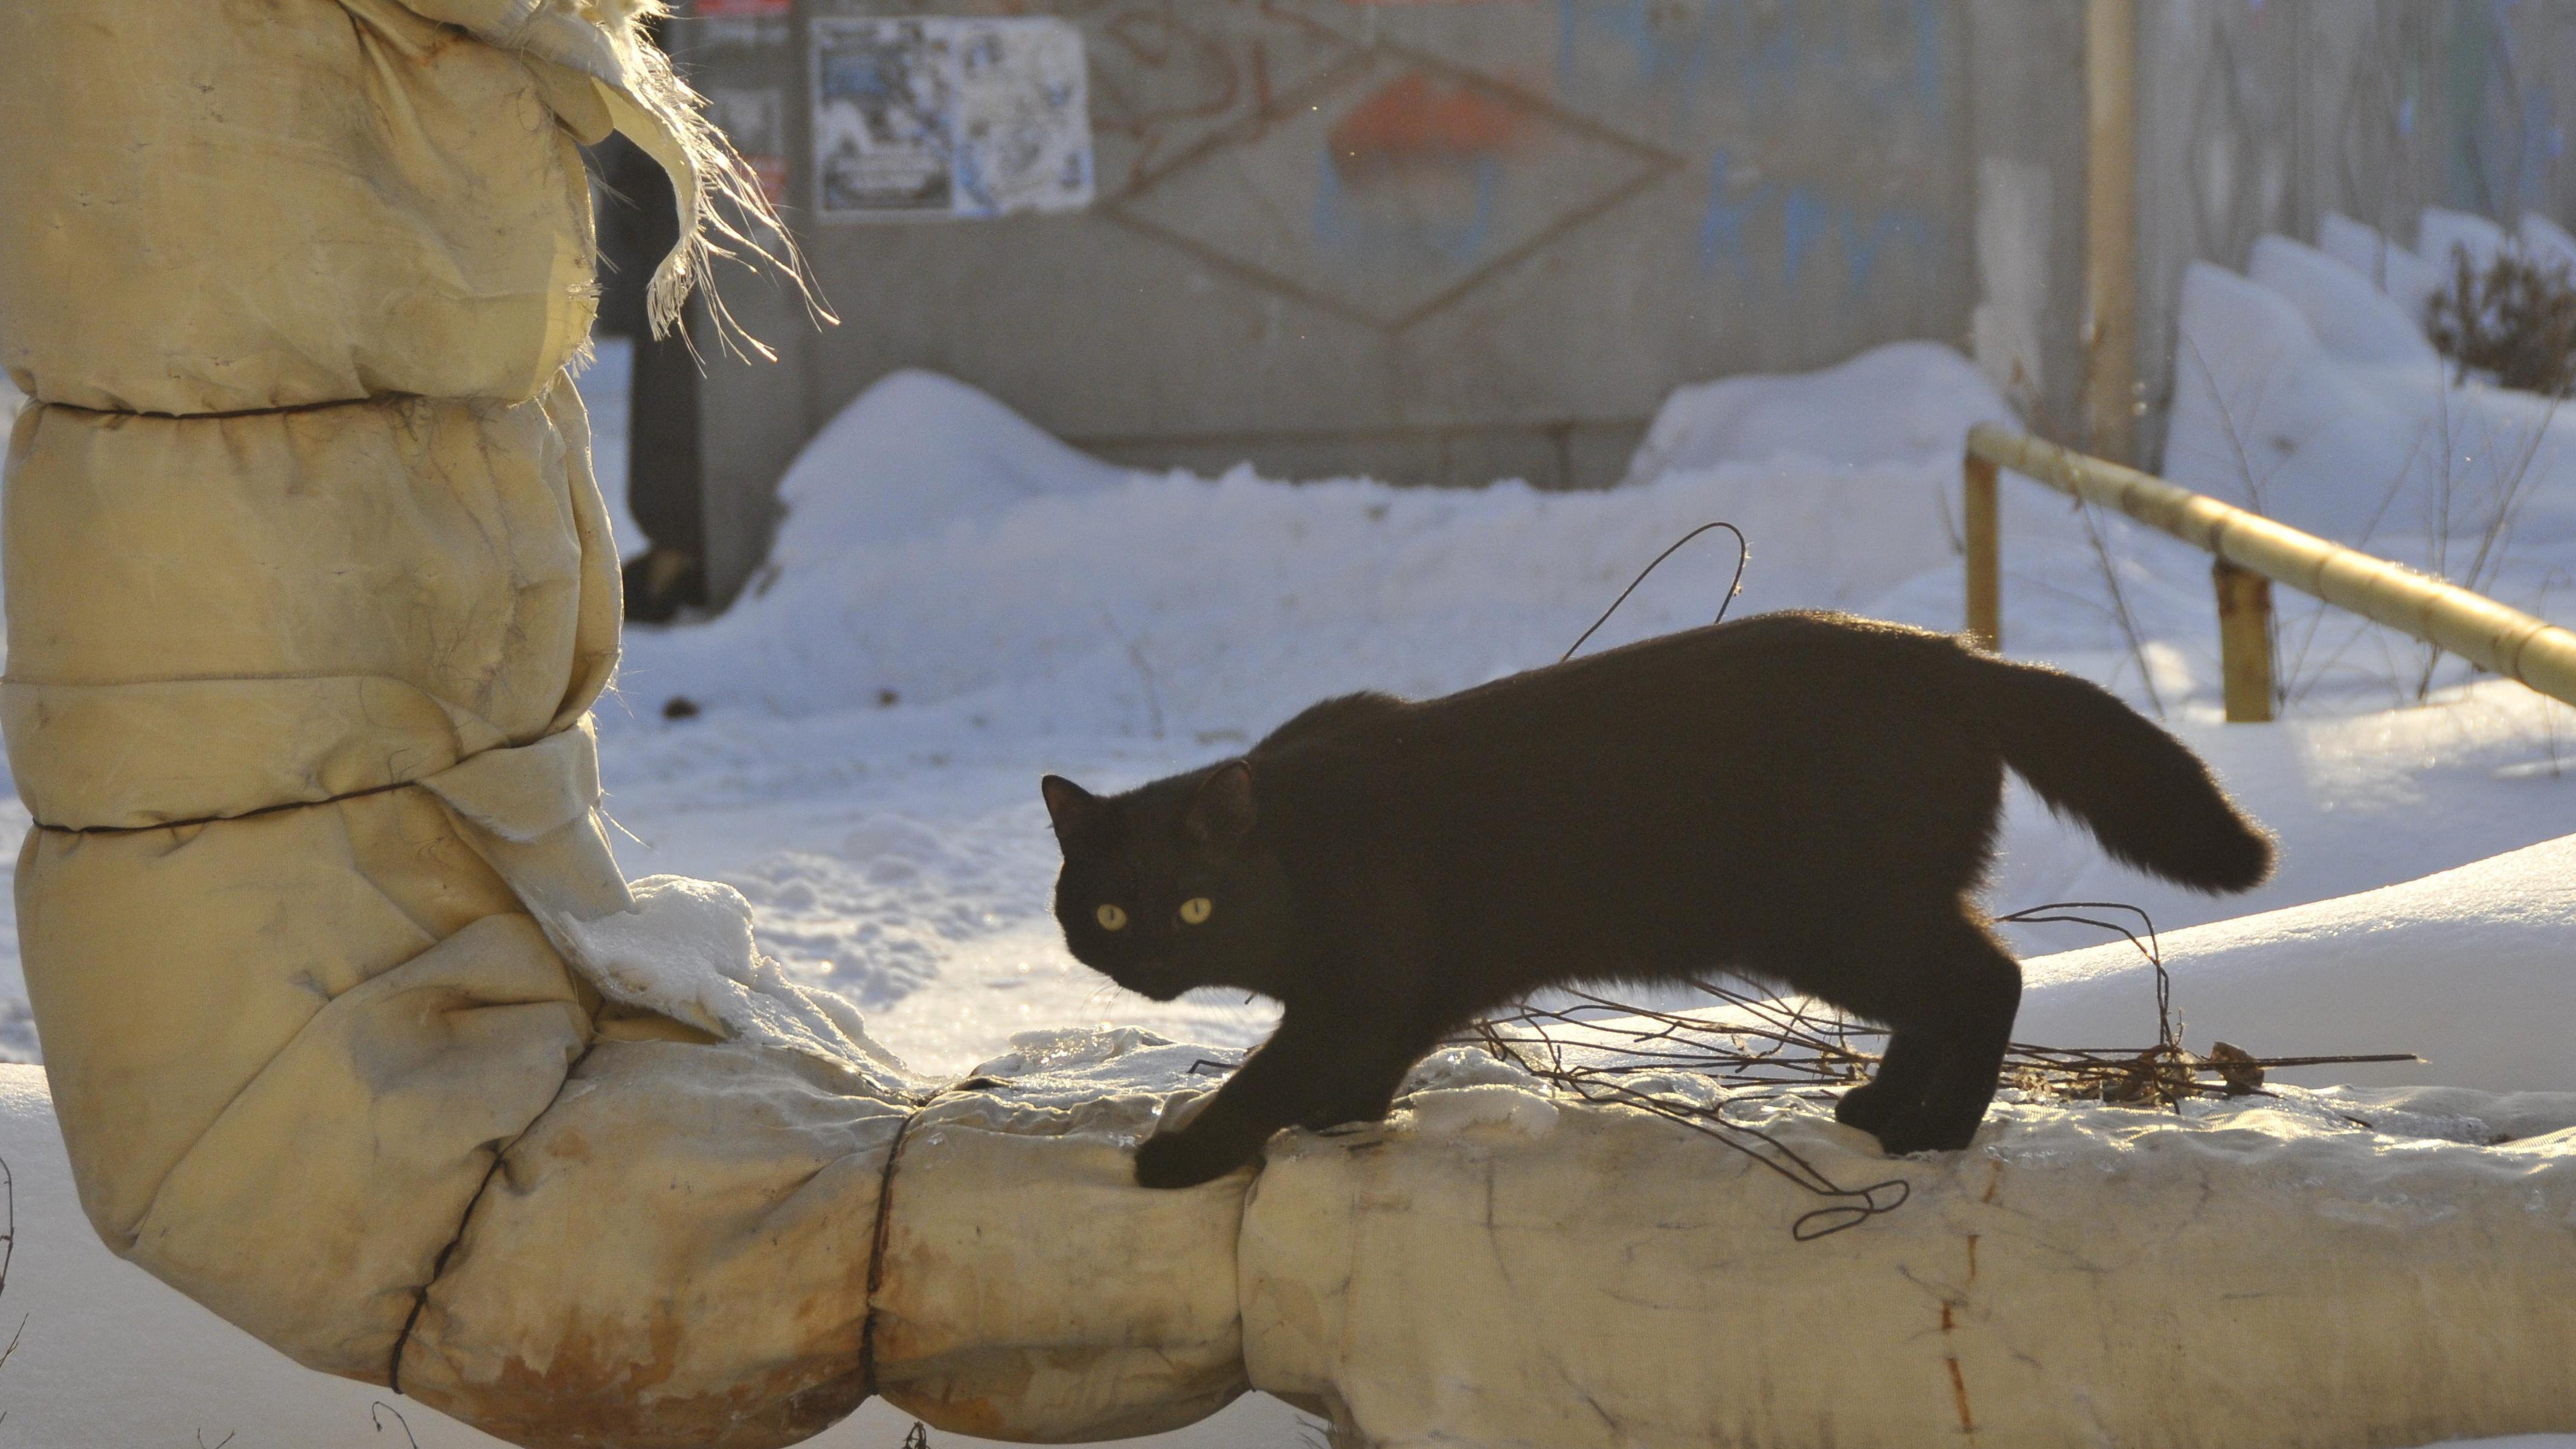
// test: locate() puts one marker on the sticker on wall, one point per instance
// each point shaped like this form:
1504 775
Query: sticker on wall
937 117
755 121
740 22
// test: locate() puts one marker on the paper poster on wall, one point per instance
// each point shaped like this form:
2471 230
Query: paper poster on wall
754 119
939 117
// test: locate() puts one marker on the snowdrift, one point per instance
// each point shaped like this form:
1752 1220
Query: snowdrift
2308 392
2469 969
942 547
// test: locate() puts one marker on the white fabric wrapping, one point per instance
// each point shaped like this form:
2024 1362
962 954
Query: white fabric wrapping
1031 1290
268 203
1497 1269
356 1032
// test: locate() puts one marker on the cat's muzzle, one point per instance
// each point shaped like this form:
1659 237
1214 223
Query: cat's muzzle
1155 983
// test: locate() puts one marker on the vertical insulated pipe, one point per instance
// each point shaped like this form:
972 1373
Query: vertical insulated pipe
1985 553
2244 641
2111 230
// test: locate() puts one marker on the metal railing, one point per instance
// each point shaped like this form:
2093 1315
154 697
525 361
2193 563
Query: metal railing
2251 554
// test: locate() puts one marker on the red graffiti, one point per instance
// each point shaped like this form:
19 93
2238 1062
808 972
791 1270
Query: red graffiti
1414 117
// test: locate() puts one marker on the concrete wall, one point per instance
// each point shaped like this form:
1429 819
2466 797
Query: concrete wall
1626 195
2027 108
1651 192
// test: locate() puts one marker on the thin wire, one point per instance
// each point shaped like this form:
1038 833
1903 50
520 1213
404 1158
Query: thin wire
2149 948
1847 1207
1743 555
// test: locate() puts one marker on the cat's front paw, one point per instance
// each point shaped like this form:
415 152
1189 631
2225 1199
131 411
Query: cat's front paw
1180 1159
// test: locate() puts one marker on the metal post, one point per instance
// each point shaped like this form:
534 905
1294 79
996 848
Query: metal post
1985 563
2476 628
2244 641
2111 229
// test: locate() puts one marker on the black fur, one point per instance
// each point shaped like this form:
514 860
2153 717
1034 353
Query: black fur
1808 799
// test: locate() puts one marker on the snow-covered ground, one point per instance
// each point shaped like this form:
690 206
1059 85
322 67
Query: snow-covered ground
959 603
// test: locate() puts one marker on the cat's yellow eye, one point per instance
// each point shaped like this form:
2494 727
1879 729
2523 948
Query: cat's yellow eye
1196 910
1111 918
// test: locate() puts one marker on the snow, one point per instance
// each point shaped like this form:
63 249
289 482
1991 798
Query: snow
2442 233
685 950
960 603
1904 402
2546 241
2353 319
908 457
2425 966
2407 278
873 723
2470 481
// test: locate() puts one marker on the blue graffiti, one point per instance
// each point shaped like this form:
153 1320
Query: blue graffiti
1804 221
1860 251
1721 227
1679 49
1808 220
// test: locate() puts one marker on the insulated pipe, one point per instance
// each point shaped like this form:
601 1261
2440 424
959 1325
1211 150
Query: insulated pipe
2487 634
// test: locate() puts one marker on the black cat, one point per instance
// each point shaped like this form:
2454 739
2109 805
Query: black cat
1802 798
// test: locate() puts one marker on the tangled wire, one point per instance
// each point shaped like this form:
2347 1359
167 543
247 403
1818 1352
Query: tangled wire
1597 1049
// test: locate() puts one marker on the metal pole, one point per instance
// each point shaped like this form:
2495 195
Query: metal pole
2489 635
1985 546
2111 229
2244 641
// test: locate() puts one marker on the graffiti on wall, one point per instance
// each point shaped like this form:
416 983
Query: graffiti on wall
1891 62
1808 225
1418 162
1352 155
1389 185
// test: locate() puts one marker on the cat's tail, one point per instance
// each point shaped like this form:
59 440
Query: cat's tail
2143 793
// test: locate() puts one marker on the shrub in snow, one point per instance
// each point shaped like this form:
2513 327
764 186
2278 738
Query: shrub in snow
2442 234
2513 319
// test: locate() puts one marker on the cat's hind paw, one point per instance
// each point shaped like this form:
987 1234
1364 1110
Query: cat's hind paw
1177 1159
1869 1107
1914 1131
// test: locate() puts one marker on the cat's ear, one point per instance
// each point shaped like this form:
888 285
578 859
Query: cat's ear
1221 813
1071 807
